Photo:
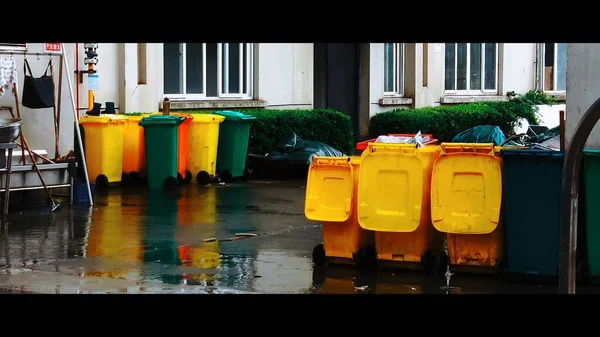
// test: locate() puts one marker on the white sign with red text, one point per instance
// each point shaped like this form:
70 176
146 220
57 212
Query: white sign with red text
53 47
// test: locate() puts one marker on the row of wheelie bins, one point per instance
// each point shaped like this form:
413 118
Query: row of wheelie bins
165 150
479 207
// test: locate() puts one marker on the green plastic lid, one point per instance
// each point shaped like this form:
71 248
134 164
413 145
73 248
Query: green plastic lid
591 152
162 120
234 116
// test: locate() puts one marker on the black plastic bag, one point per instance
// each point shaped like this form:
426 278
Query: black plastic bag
38 93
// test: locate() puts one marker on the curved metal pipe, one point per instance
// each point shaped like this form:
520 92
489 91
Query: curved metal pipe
570 199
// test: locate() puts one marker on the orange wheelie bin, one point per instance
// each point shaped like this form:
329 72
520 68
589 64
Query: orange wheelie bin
466 202
134 158
183 174
393 202
331 199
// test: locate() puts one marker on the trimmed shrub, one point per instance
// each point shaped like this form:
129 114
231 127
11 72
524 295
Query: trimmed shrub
445 122
328 126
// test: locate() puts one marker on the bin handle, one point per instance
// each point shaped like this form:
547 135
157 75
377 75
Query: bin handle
405 149
331 161
486 148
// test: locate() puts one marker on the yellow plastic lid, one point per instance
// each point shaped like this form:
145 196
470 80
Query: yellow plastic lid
102 119
208 118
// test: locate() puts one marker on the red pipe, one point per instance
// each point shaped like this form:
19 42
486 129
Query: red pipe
77 78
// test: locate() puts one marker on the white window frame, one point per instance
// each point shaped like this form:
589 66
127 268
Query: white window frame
13 47
399 71
221 71
468 91
541 69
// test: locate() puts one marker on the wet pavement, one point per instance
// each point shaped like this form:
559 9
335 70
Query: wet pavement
238 238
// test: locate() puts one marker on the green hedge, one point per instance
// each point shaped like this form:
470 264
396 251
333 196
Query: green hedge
445 122
328 126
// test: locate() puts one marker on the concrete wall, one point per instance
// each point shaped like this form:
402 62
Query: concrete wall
518 67
38 124
285 73
136 97
516 71
583 83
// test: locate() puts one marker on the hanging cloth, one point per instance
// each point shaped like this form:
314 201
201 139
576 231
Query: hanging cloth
8 74
38 92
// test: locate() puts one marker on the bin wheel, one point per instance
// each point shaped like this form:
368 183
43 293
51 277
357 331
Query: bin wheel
500 267
125 179
180 178
135 178
203 177
428 261
366 258
188 177
101 181
582 273
247 174
441 262
226 176
318 255
171 183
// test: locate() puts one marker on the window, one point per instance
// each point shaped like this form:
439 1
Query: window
13 46
393 76
471 68
553 74
208 70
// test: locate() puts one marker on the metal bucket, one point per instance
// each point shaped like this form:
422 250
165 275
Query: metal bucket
10 129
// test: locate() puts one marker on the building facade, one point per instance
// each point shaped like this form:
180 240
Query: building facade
360 80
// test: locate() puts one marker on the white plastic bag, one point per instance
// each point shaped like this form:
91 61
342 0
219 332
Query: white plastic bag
417 139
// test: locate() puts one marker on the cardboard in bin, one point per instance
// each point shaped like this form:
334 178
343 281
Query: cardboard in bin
427 139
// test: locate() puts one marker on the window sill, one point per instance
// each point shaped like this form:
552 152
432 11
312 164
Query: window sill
558 96
391 101
458 99
214 104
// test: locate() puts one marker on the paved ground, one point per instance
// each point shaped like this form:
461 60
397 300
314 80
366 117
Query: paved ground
133 241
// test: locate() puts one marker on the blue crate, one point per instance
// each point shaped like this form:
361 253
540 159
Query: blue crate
80 193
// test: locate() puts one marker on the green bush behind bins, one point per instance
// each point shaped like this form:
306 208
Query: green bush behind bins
323 125
445 122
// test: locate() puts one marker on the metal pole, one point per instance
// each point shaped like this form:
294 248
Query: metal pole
166 106
570 199
87 179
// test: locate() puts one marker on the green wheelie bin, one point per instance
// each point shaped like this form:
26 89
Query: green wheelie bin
532 189
160 141
591 178
234 135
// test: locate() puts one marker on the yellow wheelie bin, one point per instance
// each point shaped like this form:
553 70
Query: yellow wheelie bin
203 140
331 199
103 144
393 202
134 158
466 204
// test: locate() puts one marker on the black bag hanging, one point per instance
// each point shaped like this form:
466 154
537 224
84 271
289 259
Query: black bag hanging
38 93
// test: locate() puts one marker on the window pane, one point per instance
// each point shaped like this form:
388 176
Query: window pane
490 66
475 66
245 65
449 73
461 66
211 70
561 66
234 68
173 68
389 67
193 68
400 78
